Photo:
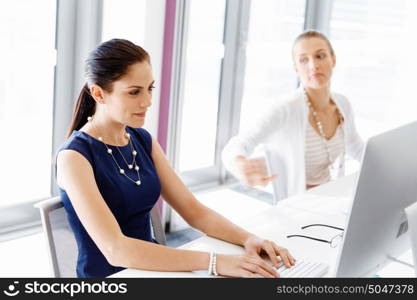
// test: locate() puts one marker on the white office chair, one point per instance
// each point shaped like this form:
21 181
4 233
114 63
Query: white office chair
61 241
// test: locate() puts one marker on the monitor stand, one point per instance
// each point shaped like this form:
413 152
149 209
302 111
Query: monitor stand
411 212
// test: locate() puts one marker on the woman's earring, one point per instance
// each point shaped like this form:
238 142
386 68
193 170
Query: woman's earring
89 118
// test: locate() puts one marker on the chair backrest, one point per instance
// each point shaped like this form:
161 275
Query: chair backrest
157 228
60 239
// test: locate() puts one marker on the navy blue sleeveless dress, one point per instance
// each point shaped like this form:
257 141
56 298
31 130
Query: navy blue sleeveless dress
129 203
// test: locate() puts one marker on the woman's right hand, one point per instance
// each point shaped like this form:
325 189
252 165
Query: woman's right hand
253 171
245 265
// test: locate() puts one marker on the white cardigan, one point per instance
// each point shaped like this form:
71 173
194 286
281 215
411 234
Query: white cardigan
282 130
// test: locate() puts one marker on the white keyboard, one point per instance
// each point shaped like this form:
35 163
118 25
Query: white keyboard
303 269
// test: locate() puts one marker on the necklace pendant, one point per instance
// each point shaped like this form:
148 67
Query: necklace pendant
138 182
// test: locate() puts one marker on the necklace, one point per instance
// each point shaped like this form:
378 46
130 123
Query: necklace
130 166
321 130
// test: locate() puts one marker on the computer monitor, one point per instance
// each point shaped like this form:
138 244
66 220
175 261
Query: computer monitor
376 228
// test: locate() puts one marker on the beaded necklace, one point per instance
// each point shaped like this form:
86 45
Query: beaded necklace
321 130
130 166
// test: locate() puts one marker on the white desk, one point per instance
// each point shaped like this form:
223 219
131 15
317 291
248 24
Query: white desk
326 204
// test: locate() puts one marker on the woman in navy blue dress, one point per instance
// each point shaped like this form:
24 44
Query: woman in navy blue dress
111 172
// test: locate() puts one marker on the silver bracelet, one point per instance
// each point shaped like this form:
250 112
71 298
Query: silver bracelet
210 267
215 265
212 270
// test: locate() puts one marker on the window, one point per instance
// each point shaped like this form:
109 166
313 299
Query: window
273 25
203 63
27 64
376 43
124 19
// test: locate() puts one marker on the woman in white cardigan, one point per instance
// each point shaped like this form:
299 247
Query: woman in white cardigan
307 134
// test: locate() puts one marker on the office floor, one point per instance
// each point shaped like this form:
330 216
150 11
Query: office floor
28 257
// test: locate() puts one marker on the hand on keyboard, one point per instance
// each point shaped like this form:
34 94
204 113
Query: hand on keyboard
303 269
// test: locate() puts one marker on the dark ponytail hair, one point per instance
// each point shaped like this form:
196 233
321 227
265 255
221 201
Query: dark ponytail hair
104 65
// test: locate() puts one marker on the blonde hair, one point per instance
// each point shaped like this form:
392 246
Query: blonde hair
308 34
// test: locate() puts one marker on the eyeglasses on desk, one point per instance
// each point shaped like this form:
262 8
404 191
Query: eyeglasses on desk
333 242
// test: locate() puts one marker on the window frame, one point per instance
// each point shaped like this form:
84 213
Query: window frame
232 72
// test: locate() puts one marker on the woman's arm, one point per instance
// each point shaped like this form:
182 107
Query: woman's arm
244 144
194 213
235 155
203 218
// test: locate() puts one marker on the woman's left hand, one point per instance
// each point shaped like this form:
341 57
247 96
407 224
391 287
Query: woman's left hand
258 246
